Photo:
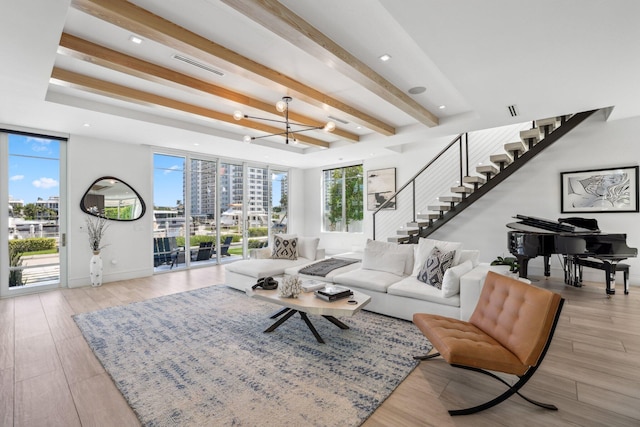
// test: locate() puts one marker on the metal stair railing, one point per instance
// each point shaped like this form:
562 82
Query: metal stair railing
450 165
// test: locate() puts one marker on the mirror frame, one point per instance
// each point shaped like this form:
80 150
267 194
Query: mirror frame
88 212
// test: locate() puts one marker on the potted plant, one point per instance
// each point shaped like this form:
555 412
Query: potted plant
512 262
96 227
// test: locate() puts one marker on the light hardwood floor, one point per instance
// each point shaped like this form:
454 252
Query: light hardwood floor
49 376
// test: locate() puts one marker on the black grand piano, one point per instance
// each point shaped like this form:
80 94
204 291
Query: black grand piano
571 237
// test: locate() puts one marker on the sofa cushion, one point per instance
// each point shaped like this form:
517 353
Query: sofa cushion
308 246
388 247
451 279
383 261
411 287
264 267
425 246
285 248
472 255
434 267
367 279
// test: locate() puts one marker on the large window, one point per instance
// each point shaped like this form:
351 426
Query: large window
343 199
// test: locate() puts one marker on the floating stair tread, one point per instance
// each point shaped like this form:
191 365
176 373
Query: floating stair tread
554 122
407 231
501 158
439 208
450 199
513 147
462 189
428 216
487 169
474 179
535 134
419 224
398 239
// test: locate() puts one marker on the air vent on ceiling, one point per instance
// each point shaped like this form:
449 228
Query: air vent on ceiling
344 122
197 64
512 110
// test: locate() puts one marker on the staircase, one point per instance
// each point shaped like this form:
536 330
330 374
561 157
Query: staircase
470 188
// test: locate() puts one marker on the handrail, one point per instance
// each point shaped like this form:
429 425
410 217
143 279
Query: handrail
566 126
424 168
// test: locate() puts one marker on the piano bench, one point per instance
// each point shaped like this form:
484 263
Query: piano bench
601 265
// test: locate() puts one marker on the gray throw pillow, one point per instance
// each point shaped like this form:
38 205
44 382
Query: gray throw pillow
285 248
434 267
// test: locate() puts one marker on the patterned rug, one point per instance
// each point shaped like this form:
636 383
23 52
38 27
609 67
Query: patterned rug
201 358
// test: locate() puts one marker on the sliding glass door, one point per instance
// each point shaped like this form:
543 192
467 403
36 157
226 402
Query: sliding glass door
32 206
208 210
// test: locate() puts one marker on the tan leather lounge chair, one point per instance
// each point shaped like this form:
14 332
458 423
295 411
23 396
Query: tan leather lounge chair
509 331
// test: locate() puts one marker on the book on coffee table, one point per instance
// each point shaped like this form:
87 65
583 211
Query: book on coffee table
332 293
312 285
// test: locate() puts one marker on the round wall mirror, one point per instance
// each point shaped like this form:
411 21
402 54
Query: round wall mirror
112 198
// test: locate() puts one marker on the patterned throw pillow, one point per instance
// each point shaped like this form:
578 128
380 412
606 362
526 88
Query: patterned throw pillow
434 267
285 248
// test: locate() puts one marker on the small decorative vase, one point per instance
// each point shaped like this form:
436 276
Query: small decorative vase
291 287
95 269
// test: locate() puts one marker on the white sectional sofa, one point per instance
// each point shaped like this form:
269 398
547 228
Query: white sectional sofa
388 273
243 274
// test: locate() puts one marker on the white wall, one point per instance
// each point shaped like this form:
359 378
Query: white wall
534 190
130 244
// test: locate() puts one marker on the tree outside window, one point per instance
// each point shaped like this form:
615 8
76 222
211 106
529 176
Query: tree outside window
343 199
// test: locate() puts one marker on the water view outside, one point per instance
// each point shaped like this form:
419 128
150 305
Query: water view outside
174 230
34 202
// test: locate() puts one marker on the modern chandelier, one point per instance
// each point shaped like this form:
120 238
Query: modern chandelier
289 132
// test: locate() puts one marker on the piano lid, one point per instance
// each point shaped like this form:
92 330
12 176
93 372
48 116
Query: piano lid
531 224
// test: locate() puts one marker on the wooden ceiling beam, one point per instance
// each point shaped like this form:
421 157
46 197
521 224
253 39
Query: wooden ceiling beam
75 80
127 15
283 22
87 51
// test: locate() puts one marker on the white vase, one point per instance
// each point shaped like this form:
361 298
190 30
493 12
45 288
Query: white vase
95 269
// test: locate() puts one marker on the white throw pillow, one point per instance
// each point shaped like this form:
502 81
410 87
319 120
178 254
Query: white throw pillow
307 247
451 280
383 261
467 254
393 248
424 248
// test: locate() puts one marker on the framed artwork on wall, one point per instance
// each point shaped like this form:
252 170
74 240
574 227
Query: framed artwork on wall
381 185
600 190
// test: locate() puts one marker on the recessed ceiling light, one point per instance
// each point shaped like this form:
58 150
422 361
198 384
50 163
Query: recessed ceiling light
385 57
417 90
442 107
135 39
86 125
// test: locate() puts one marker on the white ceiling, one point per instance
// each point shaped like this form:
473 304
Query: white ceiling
547 57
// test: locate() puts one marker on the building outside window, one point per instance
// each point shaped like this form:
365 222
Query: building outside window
343 203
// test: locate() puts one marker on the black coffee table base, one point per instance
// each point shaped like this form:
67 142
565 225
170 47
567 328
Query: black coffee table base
289 312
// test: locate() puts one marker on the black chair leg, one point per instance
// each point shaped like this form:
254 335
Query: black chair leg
426 356
513 389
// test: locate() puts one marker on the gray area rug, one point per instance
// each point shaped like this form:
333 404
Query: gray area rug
200 358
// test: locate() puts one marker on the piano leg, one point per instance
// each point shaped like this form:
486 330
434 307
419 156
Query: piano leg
610 274
523 263
547 266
